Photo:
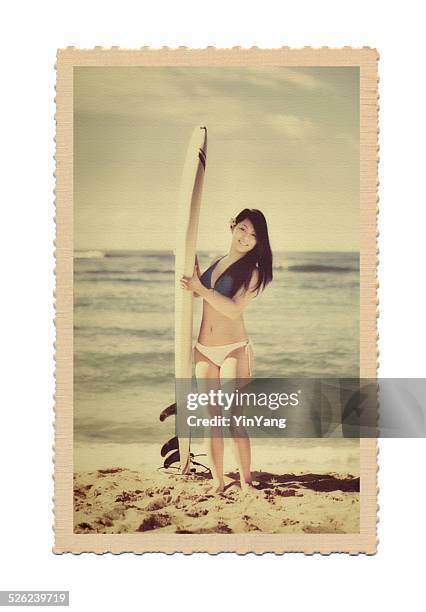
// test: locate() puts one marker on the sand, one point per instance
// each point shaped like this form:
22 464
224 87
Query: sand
123 500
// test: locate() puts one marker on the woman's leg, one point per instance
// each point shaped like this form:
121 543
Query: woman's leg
235 370
207 374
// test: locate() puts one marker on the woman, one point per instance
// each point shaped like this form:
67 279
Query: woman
223 348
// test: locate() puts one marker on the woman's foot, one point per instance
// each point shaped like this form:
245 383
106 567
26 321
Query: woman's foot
246 484
217 487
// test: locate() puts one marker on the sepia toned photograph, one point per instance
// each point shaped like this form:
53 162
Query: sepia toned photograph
216 218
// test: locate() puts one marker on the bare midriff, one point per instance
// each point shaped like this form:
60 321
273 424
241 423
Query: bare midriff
217 329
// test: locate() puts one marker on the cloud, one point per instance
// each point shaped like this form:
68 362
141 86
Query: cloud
227 115
150 91
275 77
292 126
347 139
266 77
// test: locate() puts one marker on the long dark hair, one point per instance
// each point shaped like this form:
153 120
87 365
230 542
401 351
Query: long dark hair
259 258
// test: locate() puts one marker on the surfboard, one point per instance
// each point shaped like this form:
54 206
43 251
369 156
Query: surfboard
188 212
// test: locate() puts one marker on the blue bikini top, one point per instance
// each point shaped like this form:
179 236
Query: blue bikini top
224 283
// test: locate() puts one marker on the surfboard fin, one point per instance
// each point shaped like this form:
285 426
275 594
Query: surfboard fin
170 445
169 411
173 458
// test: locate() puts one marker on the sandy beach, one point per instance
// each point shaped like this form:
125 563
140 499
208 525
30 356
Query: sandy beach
120 500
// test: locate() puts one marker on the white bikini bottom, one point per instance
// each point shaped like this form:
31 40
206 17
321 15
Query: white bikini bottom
218 354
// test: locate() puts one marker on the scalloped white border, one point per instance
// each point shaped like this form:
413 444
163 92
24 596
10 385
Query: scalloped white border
65 540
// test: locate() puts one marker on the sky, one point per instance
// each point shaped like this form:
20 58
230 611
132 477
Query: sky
284 140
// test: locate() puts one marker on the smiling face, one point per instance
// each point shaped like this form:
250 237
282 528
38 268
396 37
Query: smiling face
243 236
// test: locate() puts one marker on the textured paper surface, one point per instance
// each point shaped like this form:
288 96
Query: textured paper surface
67 59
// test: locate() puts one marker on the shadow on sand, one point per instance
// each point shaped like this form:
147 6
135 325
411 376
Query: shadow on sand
315 482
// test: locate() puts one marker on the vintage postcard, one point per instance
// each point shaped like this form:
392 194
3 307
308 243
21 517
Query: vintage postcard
215 292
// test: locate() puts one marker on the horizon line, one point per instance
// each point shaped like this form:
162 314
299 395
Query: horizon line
210 250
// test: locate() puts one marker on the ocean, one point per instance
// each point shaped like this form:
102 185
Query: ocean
305 324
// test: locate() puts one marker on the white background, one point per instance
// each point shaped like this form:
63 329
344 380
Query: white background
30 34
